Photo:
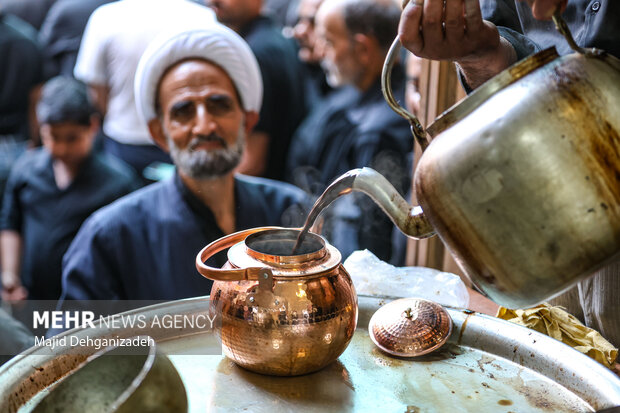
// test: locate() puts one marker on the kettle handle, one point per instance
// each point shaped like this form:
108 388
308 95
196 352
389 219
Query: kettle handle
236 274
386 87
416 127
562 27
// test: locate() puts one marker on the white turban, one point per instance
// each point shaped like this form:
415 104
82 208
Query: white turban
217 44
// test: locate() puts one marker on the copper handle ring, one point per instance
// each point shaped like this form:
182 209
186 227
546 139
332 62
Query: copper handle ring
236 274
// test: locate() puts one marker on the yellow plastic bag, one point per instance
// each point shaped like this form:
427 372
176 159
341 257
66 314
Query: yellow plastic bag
557 323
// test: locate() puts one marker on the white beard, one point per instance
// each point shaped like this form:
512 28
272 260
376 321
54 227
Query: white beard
207 164
332 74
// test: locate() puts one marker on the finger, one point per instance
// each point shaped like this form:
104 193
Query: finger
409 32
22 294
473 16
9 286
455 20
432 23
544 9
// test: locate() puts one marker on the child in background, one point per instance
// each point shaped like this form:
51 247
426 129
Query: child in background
51 190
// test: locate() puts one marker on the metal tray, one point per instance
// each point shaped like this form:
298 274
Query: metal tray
488 365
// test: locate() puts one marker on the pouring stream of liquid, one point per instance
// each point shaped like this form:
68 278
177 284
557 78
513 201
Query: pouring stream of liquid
341 186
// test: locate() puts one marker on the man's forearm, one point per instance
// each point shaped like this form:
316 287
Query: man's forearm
10 252
479 69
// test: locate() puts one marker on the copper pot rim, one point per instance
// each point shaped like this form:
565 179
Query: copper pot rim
325 262
285 260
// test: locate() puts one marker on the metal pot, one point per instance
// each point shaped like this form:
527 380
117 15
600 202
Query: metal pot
280 314
522 179
121 380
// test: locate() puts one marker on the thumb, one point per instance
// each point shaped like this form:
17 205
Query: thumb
544 9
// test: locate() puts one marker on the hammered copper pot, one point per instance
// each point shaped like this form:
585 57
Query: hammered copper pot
117 379
277 313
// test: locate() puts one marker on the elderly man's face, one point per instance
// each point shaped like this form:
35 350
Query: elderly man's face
201 118
339 58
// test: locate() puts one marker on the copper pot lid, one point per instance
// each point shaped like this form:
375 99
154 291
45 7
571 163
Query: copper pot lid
410 327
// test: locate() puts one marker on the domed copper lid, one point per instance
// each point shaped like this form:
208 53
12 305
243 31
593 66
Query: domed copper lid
410 327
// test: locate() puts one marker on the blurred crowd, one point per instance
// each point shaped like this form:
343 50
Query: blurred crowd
73 138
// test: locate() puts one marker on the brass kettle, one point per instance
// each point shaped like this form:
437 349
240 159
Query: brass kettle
521 180
277 313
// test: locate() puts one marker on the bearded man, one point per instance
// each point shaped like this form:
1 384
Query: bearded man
200 94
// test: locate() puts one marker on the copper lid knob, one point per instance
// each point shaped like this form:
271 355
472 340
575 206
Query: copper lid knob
410 327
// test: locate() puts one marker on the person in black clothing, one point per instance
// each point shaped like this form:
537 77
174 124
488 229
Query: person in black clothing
283 100
355 128
280 11
20 72
31 11
144 246
61 33
315 86
52 190
304 31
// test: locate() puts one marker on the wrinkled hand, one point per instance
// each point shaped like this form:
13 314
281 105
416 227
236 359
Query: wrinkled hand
12 288
544 9
458 34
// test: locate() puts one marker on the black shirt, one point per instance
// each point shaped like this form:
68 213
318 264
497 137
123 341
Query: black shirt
349 130
31 11
20 70
316 88
326 123
283 97
61 34
48 217
593 23
144 246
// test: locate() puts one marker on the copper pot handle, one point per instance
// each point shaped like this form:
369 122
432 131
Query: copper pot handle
236 274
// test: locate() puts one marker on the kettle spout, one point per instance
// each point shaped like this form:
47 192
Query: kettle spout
409 219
